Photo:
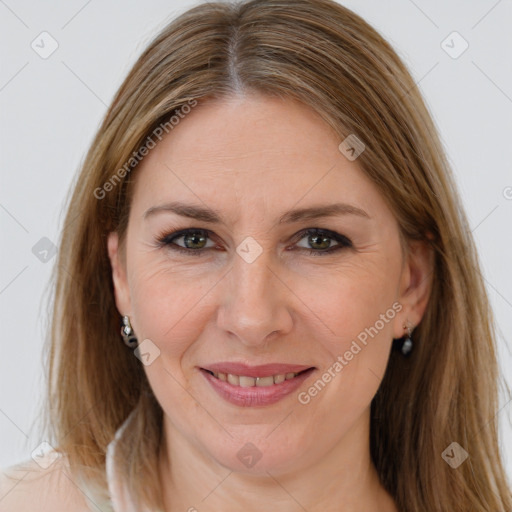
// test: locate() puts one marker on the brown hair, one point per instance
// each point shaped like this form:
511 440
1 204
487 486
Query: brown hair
327 57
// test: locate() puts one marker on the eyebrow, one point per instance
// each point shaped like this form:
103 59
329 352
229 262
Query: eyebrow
208 215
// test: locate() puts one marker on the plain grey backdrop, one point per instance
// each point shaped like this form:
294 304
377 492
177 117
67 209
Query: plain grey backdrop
61 63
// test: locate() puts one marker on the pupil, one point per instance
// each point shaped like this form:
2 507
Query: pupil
196 238
314 239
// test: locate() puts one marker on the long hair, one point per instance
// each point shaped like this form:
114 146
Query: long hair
328 58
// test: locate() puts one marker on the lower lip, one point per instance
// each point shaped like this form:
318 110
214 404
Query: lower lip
255 395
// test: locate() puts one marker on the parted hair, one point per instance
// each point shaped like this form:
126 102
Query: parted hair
327 57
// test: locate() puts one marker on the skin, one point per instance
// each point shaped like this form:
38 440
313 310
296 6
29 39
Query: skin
251 158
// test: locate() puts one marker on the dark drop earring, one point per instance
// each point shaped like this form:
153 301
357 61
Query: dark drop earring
407 344
127 333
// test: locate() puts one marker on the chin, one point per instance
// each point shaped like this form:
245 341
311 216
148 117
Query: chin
258 457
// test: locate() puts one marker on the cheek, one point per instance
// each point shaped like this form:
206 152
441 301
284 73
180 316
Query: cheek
354 298
355 358
170 307
168 311
359 310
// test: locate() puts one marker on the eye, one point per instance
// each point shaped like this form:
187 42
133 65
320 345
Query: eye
320 240
194 241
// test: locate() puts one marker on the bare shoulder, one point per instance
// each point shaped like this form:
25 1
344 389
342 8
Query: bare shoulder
31 486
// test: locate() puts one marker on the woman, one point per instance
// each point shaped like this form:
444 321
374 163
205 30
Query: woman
265 208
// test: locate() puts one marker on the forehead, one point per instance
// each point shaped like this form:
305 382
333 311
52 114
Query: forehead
253 152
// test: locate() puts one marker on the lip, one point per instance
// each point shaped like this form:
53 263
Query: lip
257 396
263 370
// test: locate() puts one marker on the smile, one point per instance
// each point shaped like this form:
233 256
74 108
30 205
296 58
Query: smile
247 382
247 391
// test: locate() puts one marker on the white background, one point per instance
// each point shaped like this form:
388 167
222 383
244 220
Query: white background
51 108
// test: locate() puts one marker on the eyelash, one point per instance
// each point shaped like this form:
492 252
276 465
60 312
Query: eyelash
166 240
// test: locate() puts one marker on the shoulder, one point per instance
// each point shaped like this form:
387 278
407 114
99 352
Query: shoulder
40 486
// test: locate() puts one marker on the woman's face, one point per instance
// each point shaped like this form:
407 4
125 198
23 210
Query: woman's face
248 285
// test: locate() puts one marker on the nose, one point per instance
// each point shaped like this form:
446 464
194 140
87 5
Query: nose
255 303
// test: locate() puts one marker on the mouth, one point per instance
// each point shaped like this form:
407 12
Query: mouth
246 381
259 389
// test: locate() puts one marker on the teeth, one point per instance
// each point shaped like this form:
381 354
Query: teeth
248 382
264 381
233 379
279 378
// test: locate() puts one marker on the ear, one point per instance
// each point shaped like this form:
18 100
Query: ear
415 286
118 264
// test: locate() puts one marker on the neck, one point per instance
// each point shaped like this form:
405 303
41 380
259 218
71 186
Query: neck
344 479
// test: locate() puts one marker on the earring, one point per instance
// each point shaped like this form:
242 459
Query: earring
407 344
127 333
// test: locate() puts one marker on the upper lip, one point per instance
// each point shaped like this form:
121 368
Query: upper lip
264 370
